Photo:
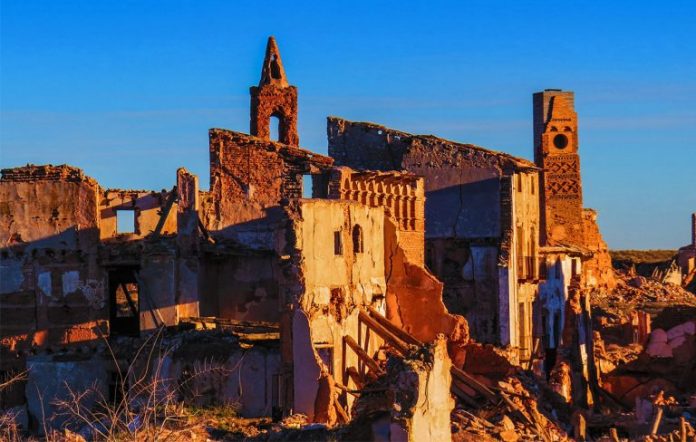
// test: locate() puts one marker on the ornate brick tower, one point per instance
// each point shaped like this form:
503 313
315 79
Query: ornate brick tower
556 152
274 97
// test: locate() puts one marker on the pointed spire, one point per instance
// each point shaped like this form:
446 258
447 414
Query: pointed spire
272 71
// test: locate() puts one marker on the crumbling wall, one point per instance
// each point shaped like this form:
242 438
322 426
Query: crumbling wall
422 391
147 207
249 180
414 295
470 275
51 288
553 294
242 285
54 379
598 270
188 240
401 194
523 251
470 210
336 273
461 180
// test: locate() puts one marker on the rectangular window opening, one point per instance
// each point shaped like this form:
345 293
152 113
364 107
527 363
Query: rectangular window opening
125 221
325 352
124 301
338 243
307 186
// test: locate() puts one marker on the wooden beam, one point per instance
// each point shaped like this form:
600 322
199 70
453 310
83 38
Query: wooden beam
342 412
656 421
388 336
372 365
398 332
354 375
469 380
459 392
131 304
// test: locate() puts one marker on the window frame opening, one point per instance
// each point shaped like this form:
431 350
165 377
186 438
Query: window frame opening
358 238
274 127
338 243
124 221
124 307
308 186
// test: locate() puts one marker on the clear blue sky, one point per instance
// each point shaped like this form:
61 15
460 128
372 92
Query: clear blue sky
127 90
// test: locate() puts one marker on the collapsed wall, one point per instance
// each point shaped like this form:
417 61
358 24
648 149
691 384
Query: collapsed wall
52 287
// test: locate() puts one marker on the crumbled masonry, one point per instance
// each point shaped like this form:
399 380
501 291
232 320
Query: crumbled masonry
418 289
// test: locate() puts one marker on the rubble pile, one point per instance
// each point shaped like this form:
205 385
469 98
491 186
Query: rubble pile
616 313
638 292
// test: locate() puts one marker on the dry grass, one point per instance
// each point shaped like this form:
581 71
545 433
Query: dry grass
150 405
642 256
9 430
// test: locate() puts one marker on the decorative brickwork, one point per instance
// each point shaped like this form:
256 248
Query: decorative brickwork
556 151
401 194
565 222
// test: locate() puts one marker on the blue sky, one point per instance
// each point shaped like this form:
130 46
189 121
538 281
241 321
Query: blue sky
127 90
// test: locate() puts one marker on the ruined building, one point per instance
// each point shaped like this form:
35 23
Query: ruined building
481 221
82 264
403 234
505 235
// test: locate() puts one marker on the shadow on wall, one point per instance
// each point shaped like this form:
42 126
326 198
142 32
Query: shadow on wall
470 210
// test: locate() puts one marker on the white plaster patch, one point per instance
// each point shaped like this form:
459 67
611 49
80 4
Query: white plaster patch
71 281
44 283
93 291
322 296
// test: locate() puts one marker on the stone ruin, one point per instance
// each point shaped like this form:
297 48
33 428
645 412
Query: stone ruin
420 267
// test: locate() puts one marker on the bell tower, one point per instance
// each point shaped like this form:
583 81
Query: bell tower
556 153
274 97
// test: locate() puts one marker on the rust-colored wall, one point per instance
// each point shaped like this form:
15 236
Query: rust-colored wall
249 179
598 270
556 152
274 97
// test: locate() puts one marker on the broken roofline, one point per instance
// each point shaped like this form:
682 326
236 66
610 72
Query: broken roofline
518 163
276 146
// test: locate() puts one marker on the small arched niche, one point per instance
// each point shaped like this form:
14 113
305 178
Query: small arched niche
357 239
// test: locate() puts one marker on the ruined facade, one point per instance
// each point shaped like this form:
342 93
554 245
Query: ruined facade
497 226
83 265
565 221
482 222
363 284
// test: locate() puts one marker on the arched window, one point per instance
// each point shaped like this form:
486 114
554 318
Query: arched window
357 239
275 128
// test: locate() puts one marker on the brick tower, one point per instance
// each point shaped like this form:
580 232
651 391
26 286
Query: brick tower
556 152
274 97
